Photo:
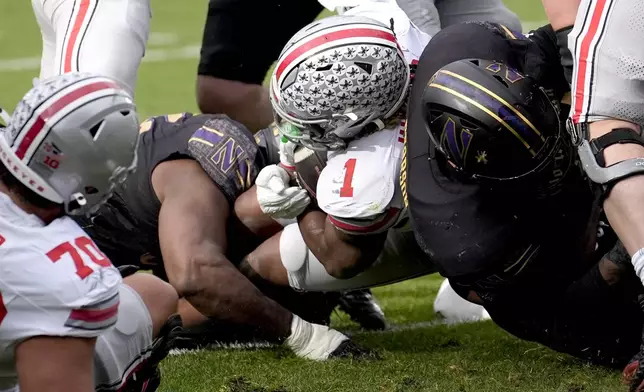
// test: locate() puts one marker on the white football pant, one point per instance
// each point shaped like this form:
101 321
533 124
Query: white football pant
106 37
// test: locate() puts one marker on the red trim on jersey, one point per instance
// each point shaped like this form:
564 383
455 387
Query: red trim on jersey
95 315
330 37
54 108
391 214
582 63
401 132
78 23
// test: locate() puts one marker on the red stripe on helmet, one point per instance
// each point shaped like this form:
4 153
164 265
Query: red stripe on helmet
54 108
330 37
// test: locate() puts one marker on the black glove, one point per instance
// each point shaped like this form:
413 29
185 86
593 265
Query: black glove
544 63
565 55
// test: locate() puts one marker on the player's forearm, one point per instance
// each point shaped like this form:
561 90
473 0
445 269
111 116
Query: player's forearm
561 13
250 214
246 103
340 256
222 292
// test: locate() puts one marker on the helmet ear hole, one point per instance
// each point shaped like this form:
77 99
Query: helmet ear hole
125 113
96 128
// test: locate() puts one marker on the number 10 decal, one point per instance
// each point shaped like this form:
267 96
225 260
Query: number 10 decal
349 168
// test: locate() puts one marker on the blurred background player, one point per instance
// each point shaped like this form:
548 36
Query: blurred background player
67 321
104 37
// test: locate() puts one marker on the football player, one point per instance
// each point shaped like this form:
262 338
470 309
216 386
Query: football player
499 201
174 216
105 37
343 103
604 63
68 322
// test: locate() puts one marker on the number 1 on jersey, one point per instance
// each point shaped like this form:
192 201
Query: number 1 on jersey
349 168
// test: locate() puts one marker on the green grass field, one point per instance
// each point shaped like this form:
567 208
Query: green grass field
466 358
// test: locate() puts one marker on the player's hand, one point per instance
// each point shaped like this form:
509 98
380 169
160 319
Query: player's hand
276 197
319 342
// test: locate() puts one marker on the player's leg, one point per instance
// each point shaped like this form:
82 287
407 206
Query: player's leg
105 37
594 318
236 54
423 14
607 94
285 260
127 356
47 60
459 11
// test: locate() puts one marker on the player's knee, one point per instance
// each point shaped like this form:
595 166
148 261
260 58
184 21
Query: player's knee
160 298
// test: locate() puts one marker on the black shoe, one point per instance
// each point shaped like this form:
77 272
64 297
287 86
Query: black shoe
350 349
361 306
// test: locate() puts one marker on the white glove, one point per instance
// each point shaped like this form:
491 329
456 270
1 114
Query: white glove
313 341
287 153
276 198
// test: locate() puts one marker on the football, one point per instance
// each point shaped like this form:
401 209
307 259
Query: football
308 166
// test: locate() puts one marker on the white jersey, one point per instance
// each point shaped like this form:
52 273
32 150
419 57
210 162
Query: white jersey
53 282
359 188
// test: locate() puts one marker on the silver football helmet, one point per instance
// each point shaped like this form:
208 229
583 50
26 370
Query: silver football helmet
336 76
71 139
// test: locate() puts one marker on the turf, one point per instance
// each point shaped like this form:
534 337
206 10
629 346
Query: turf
416 355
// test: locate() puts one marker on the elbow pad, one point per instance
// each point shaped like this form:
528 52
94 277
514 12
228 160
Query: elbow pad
565 55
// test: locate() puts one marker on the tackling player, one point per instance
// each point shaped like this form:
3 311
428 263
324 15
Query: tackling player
67 321
173 215
104 37
498 200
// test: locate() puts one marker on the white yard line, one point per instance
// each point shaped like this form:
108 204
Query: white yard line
161 55
151 56
259 345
